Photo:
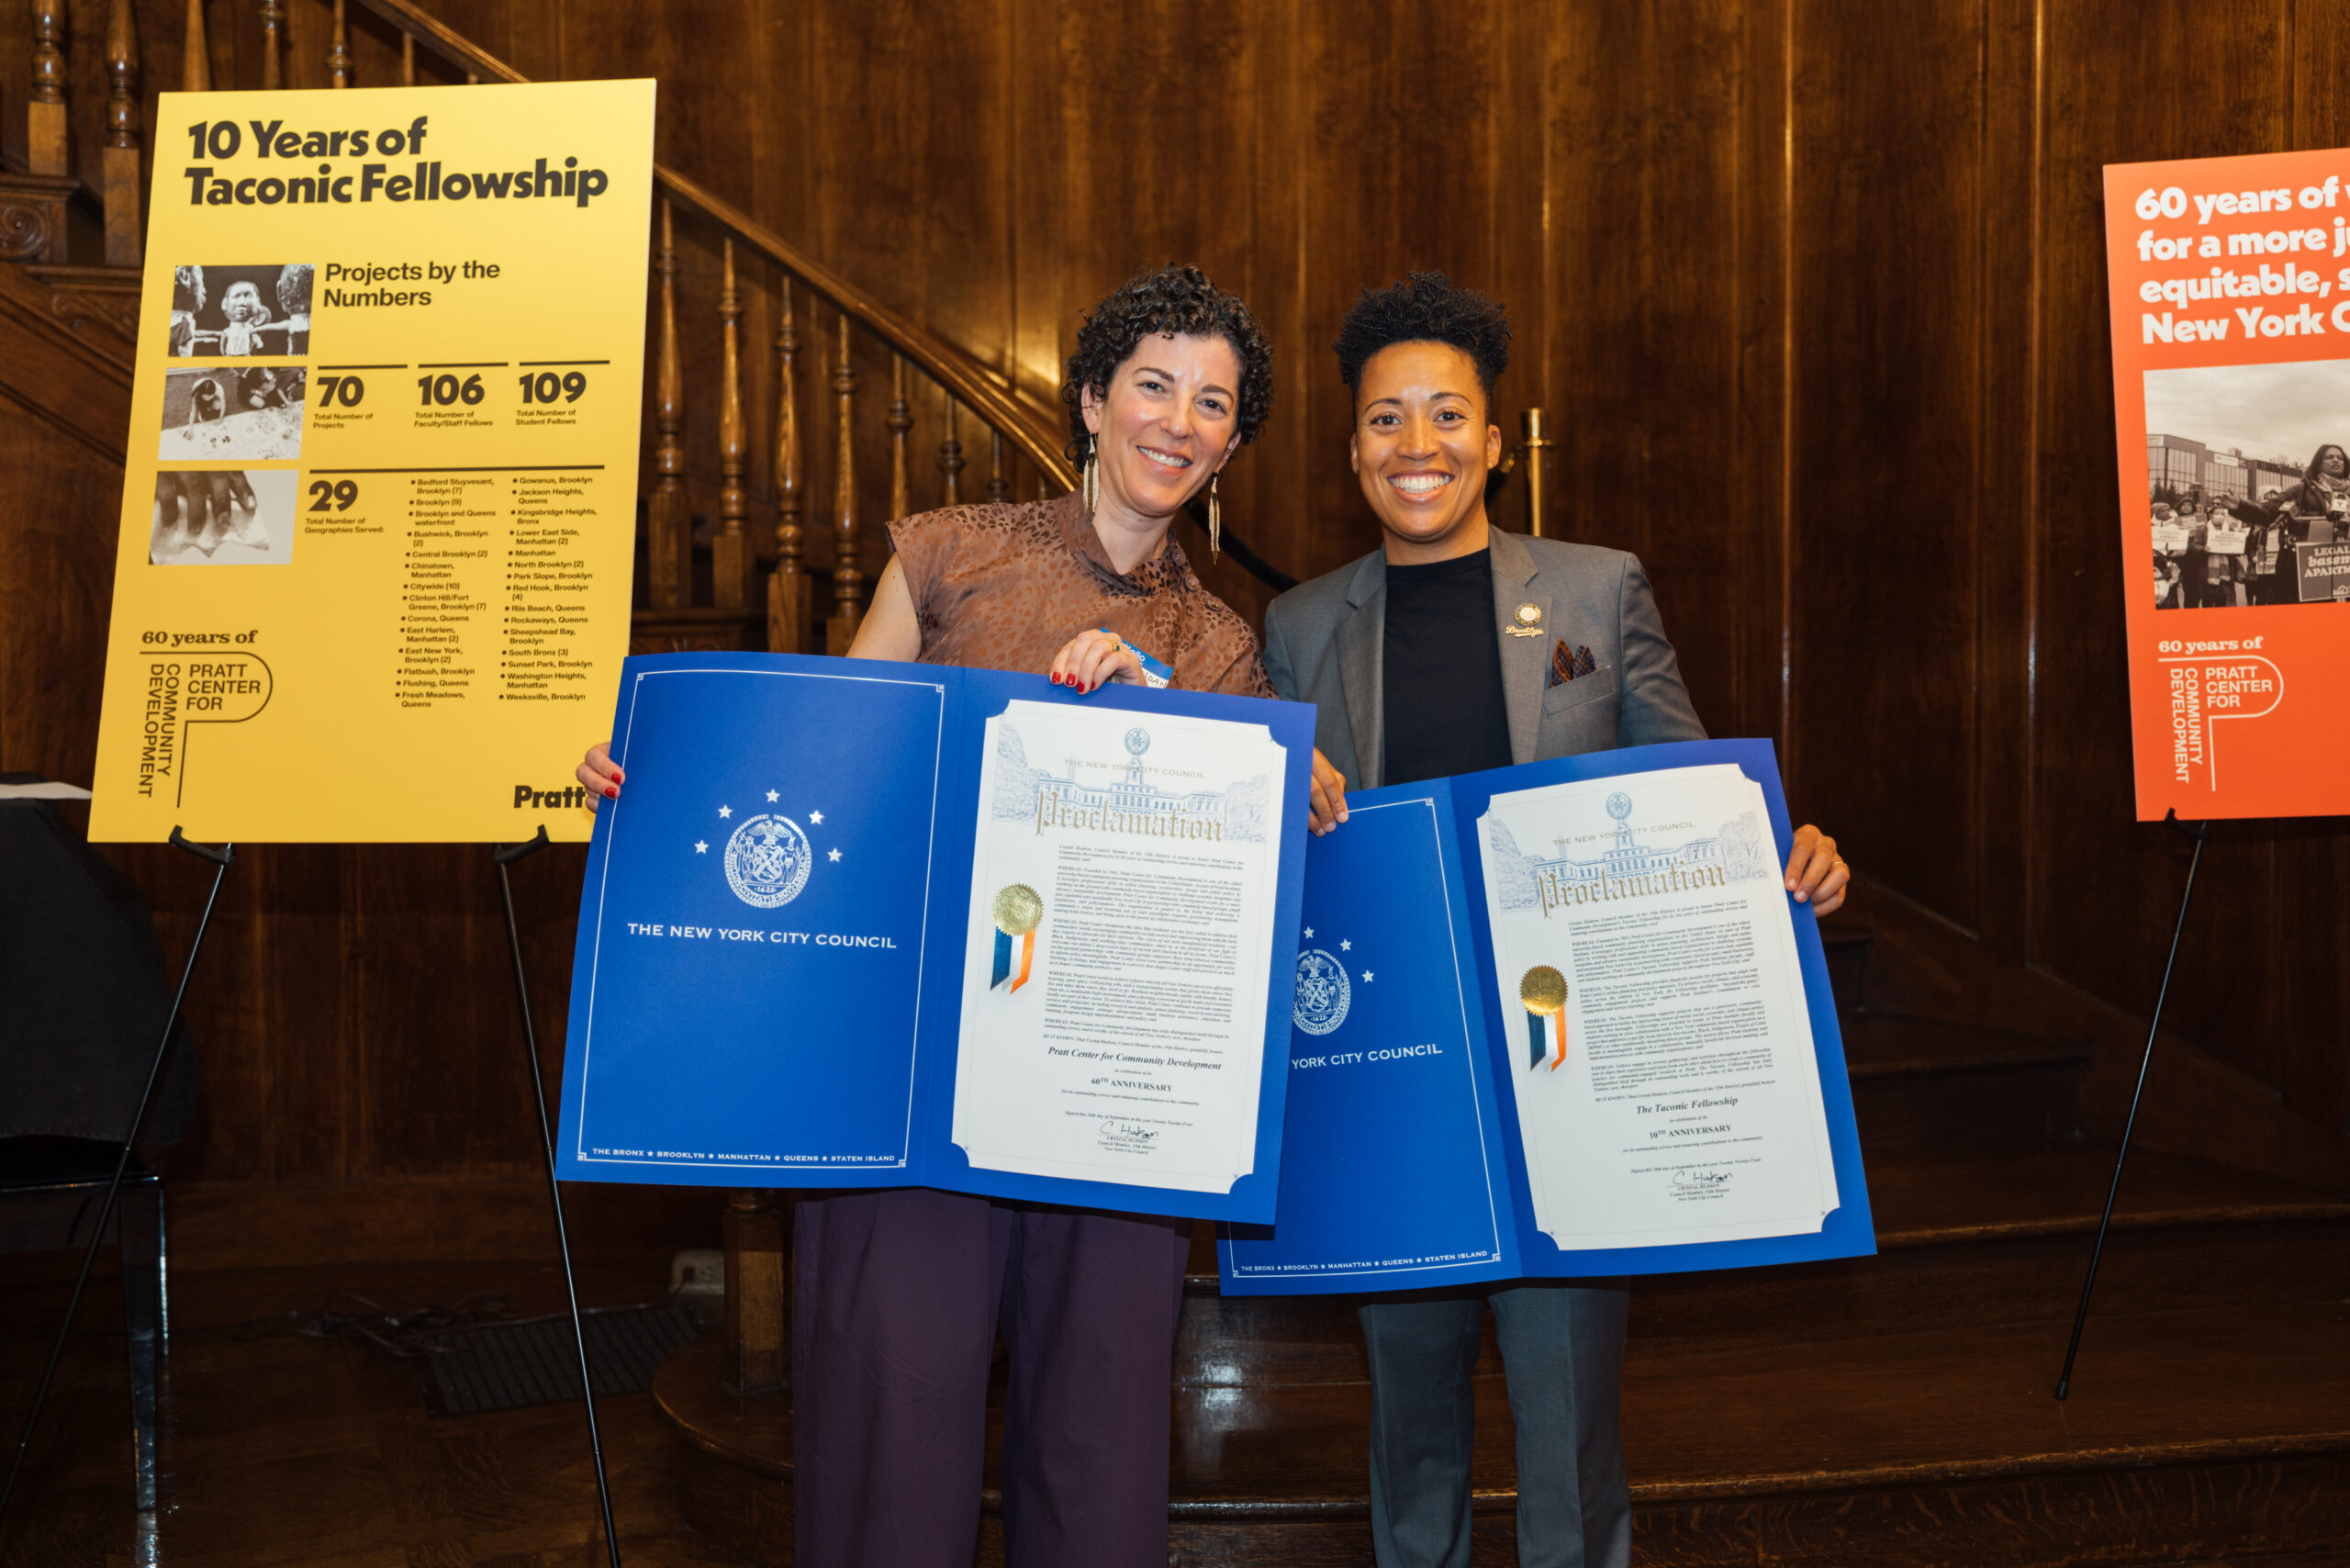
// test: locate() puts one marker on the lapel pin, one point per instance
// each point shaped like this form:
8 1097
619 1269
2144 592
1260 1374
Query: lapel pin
1529 622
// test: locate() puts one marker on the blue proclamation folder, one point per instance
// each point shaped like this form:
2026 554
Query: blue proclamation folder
1403 1167
774 930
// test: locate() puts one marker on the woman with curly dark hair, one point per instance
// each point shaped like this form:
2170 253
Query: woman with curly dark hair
1170 378
900 1294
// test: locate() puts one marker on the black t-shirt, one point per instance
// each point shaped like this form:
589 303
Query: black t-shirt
1443 671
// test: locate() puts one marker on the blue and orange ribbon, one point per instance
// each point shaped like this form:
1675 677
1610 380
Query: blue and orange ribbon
1017 912
1543 991
1003 941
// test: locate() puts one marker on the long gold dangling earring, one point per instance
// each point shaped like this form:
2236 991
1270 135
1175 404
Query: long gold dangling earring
1093 480
1215 518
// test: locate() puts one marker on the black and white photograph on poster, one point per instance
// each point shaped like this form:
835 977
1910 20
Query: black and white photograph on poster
2249 480
221 517
230 312
244 412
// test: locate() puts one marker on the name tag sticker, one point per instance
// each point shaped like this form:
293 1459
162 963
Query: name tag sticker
1155 672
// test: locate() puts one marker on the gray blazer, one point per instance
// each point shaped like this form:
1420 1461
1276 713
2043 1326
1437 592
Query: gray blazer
1324 639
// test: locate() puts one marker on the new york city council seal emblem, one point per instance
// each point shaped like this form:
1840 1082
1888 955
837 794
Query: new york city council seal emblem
766 861
1323 992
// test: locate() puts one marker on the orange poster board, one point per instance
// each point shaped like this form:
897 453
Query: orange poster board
2231 288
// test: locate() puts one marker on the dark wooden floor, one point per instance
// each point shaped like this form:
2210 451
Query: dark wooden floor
284 1450
1887 1412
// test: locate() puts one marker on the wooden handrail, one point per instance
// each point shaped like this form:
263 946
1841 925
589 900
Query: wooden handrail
1037 432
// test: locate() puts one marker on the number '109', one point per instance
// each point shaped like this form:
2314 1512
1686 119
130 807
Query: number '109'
546 387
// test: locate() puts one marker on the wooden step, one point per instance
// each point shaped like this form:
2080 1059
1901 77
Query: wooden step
2211 1434
1982 1240
1963 1241
1928 1083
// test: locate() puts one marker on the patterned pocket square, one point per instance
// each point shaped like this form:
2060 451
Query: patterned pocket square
1565 666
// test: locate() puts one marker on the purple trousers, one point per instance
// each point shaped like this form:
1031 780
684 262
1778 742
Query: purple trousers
897 1299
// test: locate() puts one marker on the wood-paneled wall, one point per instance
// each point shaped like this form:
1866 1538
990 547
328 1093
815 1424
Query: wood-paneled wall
1812 288
1813 292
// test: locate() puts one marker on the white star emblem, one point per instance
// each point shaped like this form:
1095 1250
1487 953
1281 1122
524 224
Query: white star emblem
815 816
1346 946
1366 976
836 855
725 811
1309 932
770 794
700 847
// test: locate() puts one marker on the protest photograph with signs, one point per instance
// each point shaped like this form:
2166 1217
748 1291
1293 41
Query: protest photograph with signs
2220 440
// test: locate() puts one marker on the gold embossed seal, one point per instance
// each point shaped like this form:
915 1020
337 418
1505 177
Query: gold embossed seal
1544 990
1017 911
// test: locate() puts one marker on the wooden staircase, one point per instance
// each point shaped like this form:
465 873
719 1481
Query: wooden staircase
1886 1410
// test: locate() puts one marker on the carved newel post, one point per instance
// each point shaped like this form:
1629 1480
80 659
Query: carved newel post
759 1293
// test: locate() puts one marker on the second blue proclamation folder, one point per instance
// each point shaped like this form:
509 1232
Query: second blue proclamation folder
864 924
1560 1020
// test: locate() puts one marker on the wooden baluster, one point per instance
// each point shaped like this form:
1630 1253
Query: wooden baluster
840 629
950 460
118 162
729 551
668 530
272 20
407 60
45 145
901 420
789 591
999 487
1043 486
196 55
339 55
758 1292
36 225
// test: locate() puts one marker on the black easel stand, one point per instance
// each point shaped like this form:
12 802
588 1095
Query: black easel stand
2200 833
504 854
221 858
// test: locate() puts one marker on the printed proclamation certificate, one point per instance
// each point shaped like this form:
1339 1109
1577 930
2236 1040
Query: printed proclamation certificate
1119 935
1560 1020
1661 1045
858 923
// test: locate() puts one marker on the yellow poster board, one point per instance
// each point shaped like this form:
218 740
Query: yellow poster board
379 506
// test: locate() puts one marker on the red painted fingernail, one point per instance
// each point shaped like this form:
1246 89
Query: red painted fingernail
1057 678
612 792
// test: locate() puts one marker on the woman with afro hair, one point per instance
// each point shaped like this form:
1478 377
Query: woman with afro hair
1454 648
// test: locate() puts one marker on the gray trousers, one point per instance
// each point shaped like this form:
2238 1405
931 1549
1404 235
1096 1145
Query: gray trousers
1562 1346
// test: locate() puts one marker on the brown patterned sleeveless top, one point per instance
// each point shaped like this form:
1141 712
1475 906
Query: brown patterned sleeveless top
1005 586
